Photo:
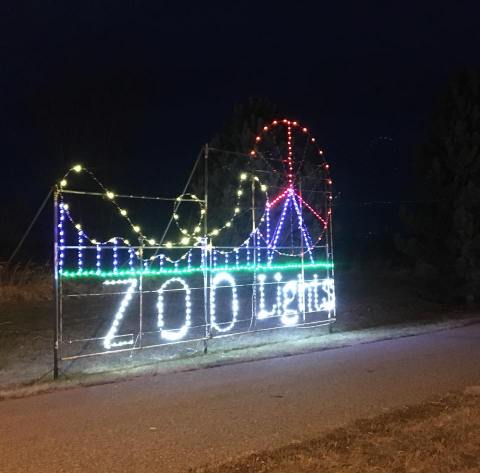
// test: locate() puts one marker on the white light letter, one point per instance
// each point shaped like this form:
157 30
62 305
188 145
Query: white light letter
174 334
231 281
289 316
107 342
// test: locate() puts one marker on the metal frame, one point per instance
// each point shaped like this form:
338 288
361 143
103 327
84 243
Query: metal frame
206 256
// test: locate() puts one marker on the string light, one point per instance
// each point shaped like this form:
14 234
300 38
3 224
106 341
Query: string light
229 279
107 342
150 272
237 209
173 334
61 236
289 316
262 313
115 255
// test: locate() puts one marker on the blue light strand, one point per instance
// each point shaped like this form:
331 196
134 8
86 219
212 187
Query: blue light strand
278 229
301 226
61 234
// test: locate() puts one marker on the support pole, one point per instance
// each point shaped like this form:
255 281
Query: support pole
254 282
205 256
302 251
56 286
331 271
140 295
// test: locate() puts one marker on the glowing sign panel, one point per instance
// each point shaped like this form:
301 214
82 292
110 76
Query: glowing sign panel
291 300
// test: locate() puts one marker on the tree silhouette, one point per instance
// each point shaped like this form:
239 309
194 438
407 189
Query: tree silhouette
444 232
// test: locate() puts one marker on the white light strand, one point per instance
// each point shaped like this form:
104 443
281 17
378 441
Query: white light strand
107 343
229 279
61 234
262 313
289 316
173 334
278 230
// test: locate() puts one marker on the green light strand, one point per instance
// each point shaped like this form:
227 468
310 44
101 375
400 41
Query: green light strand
122 273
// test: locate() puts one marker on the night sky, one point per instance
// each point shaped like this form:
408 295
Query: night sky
364 76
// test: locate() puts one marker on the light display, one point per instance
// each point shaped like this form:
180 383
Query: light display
280 273
132 284
175 334
230 280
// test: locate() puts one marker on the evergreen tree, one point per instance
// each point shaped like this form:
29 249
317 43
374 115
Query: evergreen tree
228 158
445 231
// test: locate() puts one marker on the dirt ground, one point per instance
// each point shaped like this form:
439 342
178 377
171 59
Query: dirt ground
439 436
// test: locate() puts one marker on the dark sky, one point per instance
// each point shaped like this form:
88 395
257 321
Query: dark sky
354 72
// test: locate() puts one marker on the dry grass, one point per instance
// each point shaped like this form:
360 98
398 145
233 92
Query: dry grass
441 436
25 282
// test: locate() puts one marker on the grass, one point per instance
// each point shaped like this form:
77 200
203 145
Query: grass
25 283
442 435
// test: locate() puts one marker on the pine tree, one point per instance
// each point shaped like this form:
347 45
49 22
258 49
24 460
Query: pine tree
228 158
445 231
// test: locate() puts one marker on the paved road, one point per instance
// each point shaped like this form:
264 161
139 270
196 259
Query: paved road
168 423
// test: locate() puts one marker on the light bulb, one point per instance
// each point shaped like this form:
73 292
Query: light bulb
243 176
123 212
110 194
168 244
136 229
77 168
63 183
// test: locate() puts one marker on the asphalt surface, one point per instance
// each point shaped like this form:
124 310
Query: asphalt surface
172 422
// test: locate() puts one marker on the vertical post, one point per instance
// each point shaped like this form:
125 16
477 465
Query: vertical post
140 295
56 285
254 259
329 243
205 256
301 250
